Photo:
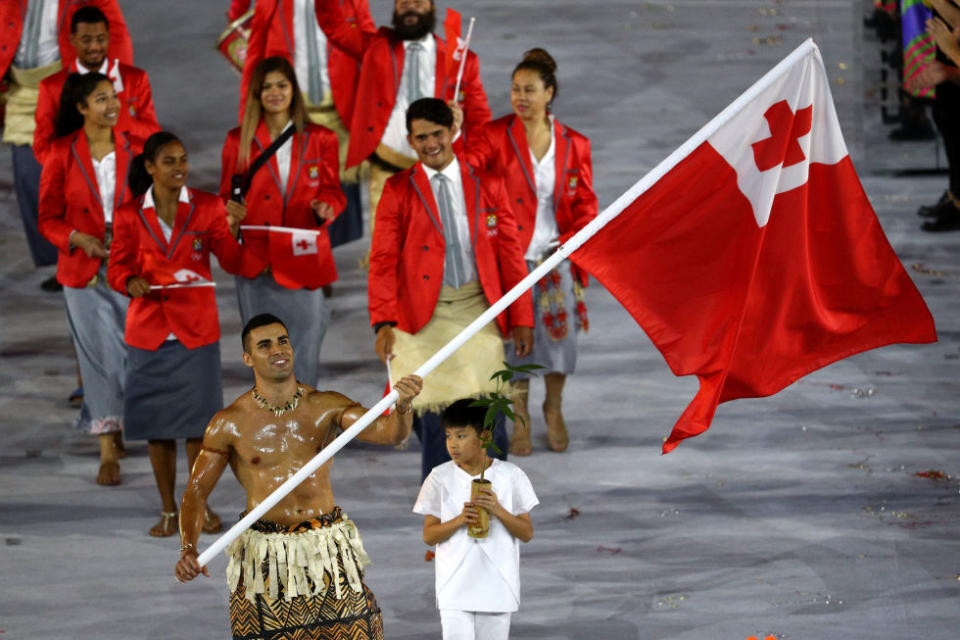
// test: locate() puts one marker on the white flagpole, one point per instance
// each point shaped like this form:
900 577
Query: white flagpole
500 305
184 285
463 59
267 227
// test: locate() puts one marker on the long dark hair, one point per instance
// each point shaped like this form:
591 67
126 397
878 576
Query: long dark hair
254 111
543 64
139 180
76 89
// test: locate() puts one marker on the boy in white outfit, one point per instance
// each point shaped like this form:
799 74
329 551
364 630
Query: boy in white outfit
478 579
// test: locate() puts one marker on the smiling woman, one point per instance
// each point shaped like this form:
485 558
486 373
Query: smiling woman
82 184
161 258
283 171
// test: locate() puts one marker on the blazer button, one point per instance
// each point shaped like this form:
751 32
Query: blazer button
266 197
426 277
166 298
519 227
380 104
370 129
426 248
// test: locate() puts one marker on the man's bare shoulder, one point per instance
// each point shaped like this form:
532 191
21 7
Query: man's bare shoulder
324 400
228 421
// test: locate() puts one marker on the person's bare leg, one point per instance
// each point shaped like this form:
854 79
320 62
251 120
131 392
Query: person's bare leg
109 473
211 521
163 459
557 435
520 444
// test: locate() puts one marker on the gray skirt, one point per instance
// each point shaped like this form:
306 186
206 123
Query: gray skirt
556 323
96 315
172 392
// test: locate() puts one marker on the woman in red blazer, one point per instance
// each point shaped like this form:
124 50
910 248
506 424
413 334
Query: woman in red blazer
548 173
160 257
297 188
82 184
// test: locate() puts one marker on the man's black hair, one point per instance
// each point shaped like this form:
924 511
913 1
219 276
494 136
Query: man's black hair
461 414
431 109
256 322
88 14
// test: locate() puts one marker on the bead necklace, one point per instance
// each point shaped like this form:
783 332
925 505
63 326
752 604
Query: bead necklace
290 405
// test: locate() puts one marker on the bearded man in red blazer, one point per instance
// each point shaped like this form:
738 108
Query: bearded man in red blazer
445 247
398 66
90 40
34 44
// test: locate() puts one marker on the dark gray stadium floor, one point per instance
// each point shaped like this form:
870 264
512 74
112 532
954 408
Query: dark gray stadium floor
799 516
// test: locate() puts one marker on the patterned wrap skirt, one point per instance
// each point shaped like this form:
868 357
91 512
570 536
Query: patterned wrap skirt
559 314
303 582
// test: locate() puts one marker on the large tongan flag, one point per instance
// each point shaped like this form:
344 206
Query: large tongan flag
757 257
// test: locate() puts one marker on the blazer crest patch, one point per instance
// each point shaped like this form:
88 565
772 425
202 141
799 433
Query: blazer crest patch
313 172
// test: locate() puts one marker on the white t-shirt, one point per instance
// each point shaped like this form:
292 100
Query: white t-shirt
106 170
477 574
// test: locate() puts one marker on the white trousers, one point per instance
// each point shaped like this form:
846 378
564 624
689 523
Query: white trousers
474 625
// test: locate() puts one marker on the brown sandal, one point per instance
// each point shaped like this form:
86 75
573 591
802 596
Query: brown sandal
557 436
211 522
118 443
166 527
520 444
109 474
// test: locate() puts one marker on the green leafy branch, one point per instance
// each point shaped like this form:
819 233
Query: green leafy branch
496 402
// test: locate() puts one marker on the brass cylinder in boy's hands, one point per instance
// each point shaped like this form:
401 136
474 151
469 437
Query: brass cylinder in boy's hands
482 528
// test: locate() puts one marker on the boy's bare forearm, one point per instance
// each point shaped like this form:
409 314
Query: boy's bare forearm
520 526
441 531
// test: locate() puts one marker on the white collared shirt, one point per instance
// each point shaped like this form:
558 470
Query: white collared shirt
284 157
477 574
106 170
150 203
113 74
301 62
46 50
462 232
395 135
545 231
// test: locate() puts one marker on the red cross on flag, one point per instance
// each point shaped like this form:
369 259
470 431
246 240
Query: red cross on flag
756 258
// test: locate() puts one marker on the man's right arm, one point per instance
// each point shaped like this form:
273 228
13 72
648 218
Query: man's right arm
343 35
389 235
209 466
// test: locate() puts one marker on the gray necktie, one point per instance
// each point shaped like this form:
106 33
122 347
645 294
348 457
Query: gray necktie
31 34
314 84
453 271
412 68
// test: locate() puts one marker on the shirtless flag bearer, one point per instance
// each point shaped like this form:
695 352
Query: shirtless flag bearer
281 584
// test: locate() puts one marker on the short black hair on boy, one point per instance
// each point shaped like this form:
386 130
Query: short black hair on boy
461 414
432 110
87 14
256 322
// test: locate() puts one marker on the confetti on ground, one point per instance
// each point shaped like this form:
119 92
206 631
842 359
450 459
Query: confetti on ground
573 513
611 550
933 474
430 555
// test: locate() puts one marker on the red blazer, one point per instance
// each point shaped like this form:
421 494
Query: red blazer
70 200
381 55
406 257
503 150
12 13
272 34
191 314
314 173
237 9
137 118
